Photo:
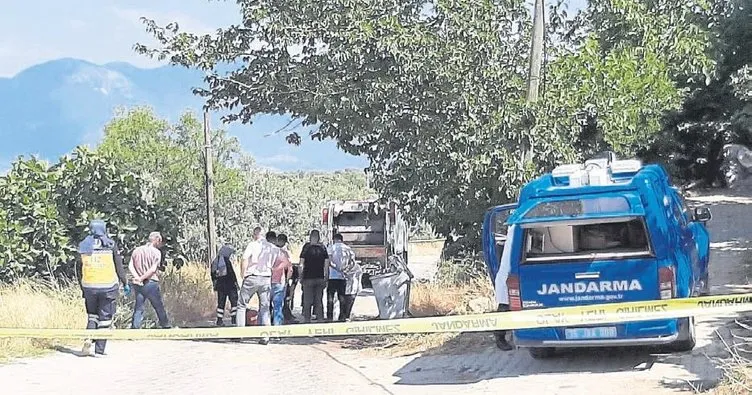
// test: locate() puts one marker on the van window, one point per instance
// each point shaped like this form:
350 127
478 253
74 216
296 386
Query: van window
610 239
579 207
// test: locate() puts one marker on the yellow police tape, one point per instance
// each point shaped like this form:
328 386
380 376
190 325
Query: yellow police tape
610 313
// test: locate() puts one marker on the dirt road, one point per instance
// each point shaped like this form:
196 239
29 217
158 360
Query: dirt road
319 367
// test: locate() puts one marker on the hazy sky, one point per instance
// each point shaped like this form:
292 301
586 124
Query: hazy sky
100 31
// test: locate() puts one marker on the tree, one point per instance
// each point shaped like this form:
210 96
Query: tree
717 112
418 90
171 158
44 212
433 92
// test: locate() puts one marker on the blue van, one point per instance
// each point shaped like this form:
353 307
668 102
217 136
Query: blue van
606 231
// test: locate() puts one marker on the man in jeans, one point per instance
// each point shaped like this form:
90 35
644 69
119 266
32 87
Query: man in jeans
144 265
281 272
314 262
257 274
340 255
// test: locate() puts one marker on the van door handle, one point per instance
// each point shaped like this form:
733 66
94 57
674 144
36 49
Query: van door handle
586 275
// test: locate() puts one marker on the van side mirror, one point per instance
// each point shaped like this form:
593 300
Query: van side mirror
702 214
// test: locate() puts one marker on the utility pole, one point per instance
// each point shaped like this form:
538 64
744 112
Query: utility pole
534 71
211 227
536 52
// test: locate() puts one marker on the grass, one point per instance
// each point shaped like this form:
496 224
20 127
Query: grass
34 305
737 369
453 293
190 301
188 297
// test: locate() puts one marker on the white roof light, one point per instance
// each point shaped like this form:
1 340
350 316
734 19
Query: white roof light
596 172
626 166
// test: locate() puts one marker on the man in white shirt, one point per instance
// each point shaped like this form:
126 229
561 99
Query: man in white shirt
253 249
257 275
339 255
500 286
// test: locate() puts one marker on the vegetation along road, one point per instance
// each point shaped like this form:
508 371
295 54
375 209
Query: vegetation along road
325 367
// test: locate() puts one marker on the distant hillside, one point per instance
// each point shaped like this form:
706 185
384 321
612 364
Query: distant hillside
50 108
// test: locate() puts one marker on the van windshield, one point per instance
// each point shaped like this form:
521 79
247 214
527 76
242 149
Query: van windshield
618 238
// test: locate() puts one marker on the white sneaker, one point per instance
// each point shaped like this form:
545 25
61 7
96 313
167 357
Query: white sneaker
87 350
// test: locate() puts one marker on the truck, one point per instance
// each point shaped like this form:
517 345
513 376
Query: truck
374 228
606 231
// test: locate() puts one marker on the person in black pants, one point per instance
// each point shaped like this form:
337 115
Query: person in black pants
99 272
314 262
340 256
225 284
292 284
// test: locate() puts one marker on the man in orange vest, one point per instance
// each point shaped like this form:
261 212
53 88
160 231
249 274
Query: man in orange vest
100 269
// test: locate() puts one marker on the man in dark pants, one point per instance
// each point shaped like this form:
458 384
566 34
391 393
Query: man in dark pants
340 255
225 284
290 294
99 269
314 262
501 336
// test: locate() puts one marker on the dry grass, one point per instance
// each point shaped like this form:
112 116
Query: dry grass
35 305
188 296
437 299
737 370
425 248
190 301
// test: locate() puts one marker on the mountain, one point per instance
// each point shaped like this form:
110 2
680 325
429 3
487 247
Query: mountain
50 108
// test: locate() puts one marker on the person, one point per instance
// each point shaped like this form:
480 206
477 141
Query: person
257 273
254 247
99 269
292 284
225 284
281 271
144 264
501 290
339 255
314 262
352 273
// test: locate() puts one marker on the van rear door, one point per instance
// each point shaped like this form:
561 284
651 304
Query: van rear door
494 236
585 251
587 262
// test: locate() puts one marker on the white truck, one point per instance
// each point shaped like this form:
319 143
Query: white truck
373 228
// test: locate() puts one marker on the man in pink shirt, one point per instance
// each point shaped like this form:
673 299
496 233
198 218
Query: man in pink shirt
143 266
281 271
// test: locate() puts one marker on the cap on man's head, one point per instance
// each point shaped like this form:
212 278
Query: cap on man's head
98 227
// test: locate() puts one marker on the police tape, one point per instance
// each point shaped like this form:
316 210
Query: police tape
610 313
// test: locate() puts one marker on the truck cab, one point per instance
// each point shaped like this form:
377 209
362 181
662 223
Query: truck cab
606 231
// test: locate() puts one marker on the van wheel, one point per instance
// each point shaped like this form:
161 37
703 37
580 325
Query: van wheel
687 336
541 352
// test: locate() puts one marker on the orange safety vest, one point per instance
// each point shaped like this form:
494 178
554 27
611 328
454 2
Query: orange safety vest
98 268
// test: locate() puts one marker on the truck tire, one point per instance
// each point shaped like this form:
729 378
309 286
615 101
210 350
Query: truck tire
541 352
687 336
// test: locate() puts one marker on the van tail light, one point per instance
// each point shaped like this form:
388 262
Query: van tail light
325 216
513 289
667 282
